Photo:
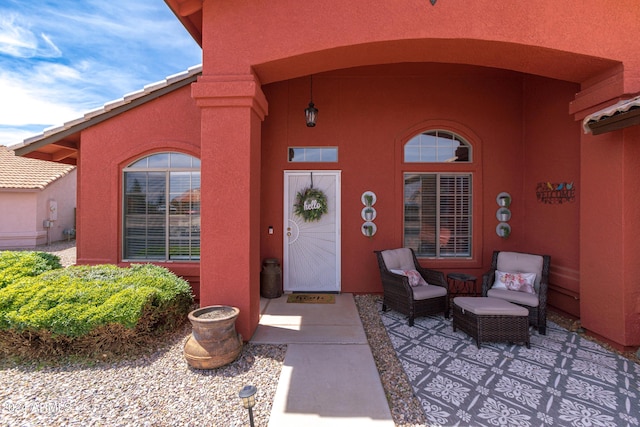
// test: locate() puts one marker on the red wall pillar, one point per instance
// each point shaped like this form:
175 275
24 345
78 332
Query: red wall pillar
232 109
609 266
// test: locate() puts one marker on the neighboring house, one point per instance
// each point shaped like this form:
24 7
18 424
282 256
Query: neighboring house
37 201
433 110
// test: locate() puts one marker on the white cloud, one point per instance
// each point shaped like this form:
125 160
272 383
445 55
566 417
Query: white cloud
11 136
52 46
61 59
18 40
33 104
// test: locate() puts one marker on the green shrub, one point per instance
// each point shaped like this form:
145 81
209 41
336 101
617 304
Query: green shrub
17 264
80 300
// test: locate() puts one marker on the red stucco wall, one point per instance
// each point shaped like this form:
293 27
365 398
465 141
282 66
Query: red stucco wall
574 42
526 76
169 123
552 155
593 45
370 112
609 229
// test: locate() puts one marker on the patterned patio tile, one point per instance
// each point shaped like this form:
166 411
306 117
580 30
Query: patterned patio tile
563 380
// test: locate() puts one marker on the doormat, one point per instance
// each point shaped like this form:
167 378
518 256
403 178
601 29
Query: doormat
312 298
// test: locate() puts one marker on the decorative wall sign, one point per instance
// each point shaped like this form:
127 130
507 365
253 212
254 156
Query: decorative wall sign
556 193
311 204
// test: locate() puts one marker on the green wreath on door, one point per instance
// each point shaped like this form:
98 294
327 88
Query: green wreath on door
310 204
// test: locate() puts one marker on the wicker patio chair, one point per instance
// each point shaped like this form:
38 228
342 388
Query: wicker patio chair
399 295
517 262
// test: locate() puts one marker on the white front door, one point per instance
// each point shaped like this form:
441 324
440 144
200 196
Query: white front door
311 261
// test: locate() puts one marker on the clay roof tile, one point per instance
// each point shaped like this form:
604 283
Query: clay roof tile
29 174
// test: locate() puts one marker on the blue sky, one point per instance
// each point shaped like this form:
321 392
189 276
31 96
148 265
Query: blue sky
62 58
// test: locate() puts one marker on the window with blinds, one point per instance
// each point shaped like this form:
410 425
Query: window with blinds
161 208
438 214
438 205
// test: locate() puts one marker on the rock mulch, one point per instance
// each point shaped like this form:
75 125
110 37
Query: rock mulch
160 389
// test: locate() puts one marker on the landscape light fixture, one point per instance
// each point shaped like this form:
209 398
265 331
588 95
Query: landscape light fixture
311 112
247 394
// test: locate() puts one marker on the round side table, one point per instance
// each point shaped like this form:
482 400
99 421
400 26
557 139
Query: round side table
461 284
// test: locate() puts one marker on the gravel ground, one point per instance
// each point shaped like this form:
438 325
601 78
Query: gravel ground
155 390
65 249
405 407
159 389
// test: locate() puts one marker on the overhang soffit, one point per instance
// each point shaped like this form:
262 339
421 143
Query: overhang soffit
535 60
188 7
189 13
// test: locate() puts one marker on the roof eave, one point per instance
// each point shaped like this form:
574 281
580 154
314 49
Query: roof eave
189 13
616 122
34 144
618 116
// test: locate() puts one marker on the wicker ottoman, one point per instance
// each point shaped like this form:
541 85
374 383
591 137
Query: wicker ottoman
491 319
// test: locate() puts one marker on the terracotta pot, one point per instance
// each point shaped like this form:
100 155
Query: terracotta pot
214 341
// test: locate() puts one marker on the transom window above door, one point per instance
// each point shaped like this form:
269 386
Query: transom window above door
161 208
313 154
437 146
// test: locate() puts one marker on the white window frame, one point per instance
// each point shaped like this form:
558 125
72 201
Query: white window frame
437 146
312 154
446 235
192 220
442 236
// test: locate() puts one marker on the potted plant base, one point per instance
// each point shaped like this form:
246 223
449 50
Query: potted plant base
214 341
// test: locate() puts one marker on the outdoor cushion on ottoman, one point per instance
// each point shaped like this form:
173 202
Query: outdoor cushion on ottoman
491 319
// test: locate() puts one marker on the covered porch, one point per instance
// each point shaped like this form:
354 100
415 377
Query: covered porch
515 86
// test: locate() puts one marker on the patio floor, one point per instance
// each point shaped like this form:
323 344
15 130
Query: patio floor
564 379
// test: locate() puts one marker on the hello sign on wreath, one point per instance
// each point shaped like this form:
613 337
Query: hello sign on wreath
310 204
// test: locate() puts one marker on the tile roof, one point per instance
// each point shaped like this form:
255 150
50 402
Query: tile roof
619 108
118 106
29 174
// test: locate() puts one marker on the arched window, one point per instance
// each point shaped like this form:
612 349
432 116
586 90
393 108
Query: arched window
161 208
437 146
438 205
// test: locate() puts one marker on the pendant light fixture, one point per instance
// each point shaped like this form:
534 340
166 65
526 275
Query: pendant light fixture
311 112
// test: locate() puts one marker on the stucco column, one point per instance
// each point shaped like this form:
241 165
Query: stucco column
609 228
232 109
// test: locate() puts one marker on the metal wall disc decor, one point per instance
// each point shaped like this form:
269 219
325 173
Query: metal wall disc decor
368 213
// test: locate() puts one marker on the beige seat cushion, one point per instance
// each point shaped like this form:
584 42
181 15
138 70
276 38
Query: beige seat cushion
427 292
489 306
530 300
398 259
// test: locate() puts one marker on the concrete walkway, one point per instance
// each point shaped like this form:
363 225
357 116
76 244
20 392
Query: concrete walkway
329 377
